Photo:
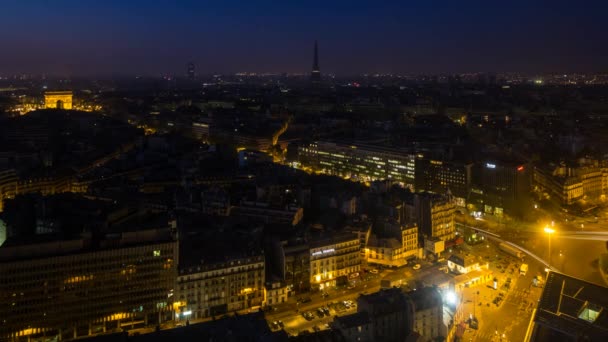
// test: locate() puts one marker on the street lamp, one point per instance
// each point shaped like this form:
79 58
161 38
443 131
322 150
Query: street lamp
549 231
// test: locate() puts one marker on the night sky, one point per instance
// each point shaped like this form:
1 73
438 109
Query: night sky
152 37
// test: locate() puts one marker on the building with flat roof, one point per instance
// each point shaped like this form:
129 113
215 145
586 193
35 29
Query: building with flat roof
442 176
359 161
570 309
85 286
74 267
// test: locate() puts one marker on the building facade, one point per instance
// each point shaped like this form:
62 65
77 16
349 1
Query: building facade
393 252
360 162
442 176
434 215
391 314
504 185
297 268
65 289
428 313
214 289
560 185
334 258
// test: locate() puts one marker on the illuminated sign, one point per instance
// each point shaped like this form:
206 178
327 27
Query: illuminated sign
520 168
325 251
490 166
187 313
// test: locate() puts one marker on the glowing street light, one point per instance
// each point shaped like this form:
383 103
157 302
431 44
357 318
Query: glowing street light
450 297
549 231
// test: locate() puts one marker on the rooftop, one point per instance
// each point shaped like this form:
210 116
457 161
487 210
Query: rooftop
425 298
353 320
571 309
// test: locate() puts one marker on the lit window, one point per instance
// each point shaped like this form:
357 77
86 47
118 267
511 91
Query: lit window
156 253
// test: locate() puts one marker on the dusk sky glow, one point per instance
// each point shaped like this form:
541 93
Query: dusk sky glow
153 37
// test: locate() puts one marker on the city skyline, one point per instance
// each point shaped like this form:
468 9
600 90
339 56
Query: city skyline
111 38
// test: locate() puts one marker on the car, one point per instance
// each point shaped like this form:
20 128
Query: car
373 271
350 287
305 300
320 312
326 310
309 316
416 267
275 325
281 324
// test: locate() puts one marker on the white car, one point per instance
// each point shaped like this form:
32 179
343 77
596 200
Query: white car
416 267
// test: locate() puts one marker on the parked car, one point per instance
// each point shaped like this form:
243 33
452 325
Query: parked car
309 316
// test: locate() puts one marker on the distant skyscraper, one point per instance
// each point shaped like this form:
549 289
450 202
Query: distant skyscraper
191 71
315 75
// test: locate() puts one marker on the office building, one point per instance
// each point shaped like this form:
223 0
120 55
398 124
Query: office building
359 162
442 177
504 186
87 284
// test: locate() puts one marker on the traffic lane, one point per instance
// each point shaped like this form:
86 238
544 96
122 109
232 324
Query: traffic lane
318 302
574 257
512 316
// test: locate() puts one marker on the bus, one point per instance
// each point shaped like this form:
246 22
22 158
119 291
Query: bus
511 250
523 269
